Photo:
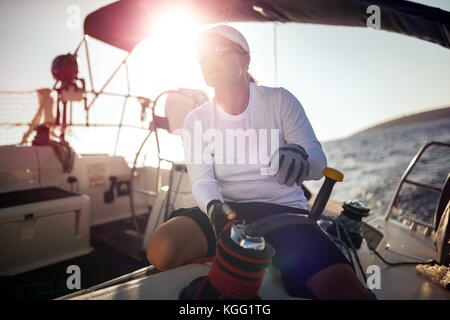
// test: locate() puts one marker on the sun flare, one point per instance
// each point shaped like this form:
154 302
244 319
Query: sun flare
172 20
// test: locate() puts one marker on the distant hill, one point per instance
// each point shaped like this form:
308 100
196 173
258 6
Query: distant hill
436 114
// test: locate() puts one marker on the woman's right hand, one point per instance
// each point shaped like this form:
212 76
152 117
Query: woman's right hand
220 214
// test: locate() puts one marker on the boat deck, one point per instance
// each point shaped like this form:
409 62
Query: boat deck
116 252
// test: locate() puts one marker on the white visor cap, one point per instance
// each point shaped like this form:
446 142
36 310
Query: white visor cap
229 33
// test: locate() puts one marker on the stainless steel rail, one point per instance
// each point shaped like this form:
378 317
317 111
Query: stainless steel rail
404 179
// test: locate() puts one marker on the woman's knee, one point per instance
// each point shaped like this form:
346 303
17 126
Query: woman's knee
176 242
161 250
338 282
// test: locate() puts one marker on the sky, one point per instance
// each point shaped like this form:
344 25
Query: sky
346 78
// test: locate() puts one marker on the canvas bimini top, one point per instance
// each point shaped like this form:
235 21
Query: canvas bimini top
123 24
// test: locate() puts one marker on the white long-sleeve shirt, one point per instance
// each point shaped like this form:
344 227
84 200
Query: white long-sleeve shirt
219 169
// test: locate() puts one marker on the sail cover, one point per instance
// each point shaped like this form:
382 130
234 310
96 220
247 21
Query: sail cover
125 23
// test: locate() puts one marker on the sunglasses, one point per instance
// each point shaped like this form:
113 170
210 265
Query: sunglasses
219 50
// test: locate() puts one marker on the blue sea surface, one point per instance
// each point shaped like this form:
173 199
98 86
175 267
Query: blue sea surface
373 163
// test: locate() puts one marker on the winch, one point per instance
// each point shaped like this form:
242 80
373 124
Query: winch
350 218
242 256
237 269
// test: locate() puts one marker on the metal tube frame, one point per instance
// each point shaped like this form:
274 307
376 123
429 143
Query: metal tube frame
405 175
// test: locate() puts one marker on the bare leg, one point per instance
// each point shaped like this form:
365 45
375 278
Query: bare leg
338 282
175 243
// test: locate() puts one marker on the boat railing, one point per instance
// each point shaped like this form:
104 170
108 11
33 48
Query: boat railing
404 179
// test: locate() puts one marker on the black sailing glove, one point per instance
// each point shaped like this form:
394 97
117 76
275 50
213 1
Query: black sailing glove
220 214
293 165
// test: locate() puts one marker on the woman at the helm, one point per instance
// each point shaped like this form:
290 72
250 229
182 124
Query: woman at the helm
226 182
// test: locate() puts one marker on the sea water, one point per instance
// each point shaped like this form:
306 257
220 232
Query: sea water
373 162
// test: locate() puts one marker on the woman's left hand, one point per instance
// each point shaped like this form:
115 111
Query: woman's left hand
293 165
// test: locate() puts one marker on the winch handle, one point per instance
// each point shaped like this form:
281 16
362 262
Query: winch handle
331 177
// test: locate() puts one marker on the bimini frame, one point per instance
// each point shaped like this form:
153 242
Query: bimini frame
145 103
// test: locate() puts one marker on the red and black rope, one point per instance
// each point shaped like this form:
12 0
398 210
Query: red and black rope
236 272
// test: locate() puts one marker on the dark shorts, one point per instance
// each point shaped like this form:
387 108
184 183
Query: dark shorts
301 250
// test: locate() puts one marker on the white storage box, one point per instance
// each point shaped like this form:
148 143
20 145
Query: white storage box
42 226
